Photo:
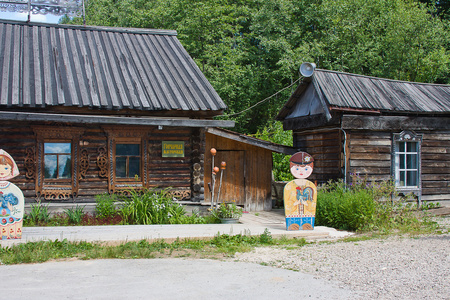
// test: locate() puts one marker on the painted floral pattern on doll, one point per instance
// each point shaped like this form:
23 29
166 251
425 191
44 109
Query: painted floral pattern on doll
11 199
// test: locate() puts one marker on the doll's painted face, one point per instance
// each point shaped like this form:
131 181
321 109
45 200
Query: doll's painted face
301 171
5 170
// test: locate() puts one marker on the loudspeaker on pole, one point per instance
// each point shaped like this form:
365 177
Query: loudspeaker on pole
307 69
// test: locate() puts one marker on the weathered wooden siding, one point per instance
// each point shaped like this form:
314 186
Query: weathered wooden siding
436 165
326 146
93 184
16 137
169 171
369 154
257 172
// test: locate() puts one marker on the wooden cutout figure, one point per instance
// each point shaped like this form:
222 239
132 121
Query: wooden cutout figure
300 195
11 199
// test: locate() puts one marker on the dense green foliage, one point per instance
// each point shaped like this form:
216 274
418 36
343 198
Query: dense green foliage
250 49
274 133
155 207
366 207
105 205
142 207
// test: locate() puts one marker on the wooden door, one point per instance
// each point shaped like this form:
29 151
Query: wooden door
233 177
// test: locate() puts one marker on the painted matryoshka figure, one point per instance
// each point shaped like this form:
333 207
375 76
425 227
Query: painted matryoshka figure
300 195
11 199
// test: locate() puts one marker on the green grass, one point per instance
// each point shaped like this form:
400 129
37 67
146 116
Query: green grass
217 247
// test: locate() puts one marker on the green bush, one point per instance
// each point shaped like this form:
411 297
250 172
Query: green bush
226 210
366 206
344 208
155 207
106 205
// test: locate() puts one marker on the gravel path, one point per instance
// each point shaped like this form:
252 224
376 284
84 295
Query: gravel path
392 268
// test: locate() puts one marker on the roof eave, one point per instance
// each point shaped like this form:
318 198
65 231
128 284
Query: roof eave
97 119
252 141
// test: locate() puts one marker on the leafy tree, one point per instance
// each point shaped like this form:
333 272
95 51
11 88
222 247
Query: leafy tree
387 38
274 133
251 49
440 8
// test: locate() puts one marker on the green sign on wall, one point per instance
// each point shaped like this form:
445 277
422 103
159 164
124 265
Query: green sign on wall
172 149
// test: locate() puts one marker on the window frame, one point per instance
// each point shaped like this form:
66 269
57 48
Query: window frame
406 136
57 188
58 179
128 142
128 135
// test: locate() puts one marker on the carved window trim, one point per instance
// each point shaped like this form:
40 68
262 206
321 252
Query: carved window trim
132 135
30 163
54 189
84 163
102 161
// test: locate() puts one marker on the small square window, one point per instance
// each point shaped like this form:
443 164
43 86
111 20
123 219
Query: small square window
57 161
128 161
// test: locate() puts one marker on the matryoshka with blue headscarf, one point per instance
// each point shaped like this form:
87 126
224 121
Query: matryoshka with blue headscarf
11 199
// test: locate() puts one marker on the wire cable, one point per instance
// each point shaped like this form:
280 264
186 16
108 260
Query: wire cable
262 101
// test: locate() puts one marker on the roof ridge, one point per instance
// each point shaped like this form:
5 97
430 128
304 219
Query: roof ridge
95 28
380 78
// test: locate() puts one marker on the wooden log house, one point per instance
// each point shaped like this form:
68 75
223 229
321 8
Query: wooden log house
91 110
380 128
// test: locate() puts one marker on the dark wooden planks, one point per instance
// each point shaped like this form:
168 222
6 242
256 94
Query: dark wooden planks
326 146
257 164
100 68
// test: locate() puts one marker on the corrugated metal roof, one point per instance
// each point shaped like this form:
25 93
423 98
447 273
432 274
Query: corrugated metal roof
45 65
346 90
363 93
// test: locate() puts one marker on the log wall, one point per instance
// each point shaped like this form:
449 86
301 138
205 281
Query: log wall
436 166
368 153
17 137
326 147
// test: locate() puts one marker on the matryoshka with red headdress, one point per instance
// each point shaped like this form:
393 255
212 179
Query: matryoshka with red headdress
11 199
300 194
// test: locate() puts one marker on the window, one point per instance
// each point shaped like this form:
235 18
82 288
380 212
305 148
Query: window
406 161
407 164
57 161
57 165
128 161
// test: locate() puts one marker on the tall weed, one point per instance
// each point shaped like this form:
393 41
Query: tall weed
155 207
106 206
75 214
39 214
